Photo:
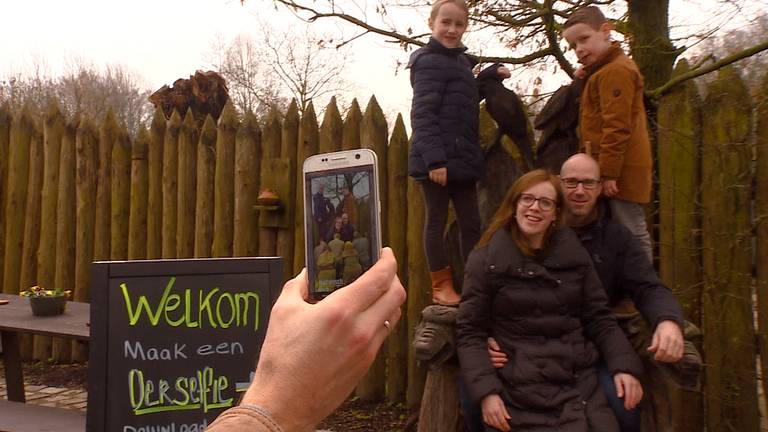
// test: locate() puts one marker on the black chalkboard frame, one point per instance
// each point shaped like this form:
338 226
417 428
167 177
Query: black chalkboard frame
103 271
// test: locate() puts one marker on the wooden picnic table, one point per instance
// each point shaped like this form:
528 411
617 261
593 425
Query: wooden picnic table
16 317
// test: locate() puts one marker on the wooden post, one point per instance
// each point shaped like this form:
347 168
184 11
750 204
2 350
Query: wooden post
440 405
419 290
121 195
331 129
33 211
206 165
187 185
137 223
352 123
271 142
308 145
170 180
287 234
679 140
397 187
373 386
155 199
729 339
65 241
761 231
223 219
247 174
22 129
86 146
108 133
42 344
5 139
373 135
53 130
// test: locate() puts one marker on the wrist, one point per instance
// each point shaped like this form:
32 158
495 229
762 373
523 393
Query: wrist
277 399
272 401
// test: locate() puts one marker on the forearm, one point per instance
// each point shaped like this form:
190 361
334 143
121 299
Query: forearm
250 418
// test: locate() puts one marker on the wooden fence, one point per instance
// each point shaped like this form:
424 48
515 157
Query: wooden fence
74 192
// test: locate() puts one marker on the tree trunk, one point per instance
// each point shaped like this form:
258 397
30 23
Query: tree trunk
648 23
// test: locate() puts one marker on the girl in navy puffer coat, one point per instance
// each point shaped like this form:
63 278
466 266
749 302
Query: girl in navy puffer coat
446 157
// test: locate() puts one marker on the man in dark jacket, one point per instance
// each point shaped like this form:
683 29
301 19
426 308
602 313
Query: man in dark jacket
627 275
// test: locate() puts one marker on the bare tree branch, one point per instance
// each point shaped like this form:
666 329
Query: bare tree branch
656 93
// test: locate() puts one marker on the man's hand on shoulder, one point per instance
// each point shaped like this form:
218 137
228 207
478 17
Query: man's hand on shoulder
667 342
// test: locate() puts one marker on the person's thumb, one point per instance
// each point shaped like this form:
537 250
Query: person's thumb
619 386
493 344
654 343
296 288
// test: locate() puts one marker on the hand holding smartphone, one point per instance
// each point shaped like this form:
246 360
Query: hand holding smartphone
342 228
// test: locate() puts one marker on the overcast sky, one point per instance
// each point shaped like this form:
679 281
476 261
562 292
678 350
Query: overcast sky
163 40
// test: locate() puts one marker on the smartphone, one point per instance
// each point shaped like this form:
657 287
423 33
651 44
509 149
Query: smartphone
342 227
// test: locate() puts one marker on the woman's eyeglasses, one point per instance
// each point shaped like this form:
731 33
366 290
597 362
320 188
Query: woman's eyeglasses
545 204
573 183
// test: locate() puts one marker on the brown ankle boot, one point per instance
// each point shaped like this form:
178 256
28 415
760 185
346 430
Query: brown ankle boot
442 288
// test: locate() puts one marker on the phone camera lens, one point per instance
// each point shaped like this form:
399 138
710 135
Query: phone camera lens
357 155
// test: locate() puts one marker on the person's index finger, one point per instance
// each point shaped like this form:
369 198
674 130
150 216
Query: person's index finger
360 294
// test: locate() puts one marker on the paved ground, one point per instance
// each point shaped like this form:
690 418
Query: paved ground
58 397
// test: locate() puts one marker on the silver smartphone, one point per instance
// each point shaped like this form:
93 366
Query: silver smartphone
342 227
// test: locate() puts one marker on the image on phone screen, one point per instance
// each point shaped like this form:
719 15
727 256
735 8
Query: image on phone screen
342 233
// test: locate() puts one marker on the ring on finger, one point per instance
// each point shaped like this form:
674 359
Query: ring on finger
388 325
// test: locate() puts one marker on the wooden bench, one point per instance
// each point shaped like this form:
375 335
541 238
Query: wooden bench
22 417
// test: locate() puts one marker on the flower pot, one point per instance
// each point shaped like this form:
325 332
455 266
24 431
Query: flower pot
48 306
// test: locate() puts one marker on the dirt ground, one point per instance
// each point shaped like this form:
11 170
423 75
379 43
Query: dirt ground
353 415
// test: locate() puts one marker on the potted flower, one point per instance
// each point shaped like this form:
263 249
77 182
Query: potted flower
45 302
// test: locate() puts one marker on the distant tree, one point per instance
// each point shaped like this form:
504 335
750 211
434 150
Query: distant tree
268 69
753 67
83 89
246 68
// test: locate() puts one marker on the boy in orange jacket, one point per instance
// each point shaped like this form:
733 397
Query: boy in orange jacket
612 120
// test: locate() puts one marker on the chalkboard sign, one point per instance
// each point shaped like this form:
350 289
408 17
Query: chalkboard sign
174 342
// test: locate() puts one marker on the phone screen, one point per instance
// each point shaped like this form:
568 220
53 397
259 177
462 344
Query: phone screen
342 237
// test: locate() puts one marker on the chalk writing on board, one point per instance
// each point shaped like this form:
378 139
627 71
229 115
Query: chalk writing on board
183 427
202 391
214 308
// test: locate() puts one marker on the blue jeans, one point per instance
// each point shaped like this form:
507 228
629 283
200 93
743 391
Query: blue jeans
629 421
473 413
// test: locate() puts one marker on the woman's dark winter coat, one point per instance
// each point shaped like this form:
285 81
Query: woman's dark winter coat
550 316
444 114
